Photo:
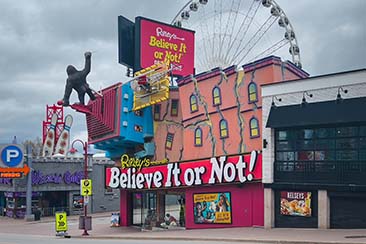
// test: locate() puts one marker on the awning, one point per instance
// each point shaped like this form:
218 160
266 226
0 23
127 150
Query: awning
330 112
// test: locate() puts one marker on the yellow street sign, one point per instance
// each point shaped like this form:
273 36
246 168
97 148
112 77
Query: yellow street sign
61 221
86 187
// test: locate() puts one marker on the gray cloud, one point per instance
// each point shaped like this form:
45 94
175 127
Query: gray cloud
39 38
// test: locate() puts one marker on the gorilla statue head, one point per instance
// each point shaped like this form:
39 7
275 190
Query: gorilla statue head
71 70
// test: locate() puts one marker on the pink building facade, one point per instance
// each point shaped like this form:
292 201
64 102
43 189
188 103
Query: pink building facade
210 123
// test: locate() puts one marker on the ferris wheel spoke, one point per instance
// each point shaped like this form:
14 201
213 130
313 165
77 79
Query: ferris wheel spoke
228 32
256 37
207 42
272 49
244 26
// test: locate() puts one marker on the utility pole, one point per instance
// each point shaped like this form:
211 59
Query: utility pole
28 213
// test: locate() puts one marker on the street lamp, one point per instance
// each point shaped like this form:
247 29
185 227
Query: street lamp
72 151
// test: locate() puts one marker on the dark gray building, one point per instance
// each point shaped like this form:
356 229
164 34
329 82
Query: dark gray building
56 187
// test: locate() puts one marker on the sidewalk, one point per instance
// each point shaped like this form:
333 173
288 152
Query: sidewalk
102 230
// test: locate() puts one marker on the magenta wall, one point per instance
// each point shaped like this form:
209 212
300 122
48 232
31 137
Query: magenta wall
125 209
247 202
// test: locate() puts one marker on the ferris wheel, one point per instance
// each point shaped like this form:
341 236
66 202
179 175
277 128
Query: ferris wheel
238 32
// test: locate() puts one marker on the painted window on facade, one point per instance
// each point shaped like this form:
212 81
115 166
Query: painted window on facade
169 141
174 107
252 92
157 108
254 128
223 129
216 95
193 103
324 152
198 137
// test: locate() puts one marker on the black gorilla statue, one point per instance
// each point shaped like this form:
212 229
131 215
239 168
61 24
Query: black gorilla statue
77 79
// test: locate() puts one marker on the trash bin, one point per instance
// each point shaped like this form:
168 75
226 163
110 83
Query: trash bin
37 215
85 222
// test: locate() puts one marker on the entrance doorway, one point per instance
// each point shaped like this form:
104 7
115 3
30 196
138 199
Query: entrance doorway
153 209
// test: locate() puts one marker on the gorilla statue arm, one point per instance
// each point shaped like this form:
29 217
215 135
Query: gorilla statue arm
87 65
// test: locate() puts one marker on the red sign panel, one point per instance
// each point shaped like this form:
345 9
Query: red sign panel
224 169
157 42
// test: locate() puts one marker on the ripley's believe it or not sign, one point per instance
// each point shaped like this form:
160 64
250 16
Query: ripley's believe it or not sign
224 169
159 42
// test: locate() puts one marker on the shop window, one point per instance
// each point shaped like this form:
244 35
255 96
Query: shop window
362 143
325 132
174 107
285 145
305 134
216 95
362 155
193 103
347 143
254 128
157 108
324 155
305 144
198 137
347 155
223 129
169 141
320 154
285 156
363 131
346 131
324 144
252 92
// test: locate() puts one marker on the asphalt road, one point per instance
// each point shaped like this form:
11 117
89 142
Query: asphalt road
26 239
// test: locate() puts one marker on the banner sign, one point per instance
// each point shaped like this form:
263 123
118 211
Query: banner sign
224 169
159 42
296 203
212 208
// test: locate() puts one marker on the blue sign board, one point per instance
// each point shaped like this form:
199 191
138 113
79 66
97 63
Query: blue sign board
12 155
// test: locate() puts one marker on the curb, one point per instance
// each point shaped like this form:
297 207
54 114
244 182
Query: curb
212 239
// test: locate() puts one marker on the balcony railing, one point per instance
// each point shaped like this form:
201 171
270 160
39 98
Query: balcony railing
321 172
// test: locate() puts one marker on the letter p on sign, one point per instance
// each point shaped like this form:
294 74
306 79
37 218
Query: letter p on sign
10 154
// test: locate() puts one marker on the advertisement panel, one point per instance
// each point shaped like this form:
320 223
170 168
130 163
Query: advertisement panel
296 203
136 173
160 42
212 208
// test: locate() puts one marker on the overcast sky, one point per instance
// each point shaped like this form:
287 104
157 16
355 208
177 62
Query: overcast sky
39 38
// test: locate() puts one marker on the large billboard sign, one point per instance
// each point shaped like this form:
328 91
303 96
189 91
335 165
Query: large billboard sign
220 170
159 42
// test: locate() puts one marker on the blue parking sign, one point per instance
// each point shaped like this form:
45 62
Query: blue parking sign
12 155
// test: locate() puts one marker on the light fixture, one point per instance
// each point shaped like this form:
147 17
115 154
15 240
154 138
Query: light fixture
339 96
273 105
303 101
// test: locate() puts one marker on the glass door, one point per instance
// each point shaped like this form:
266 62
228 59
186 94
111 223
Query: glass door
149 216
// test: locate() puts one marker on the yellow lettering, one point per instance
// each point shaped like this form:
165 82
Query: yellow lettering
124 161
138 163
152 41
